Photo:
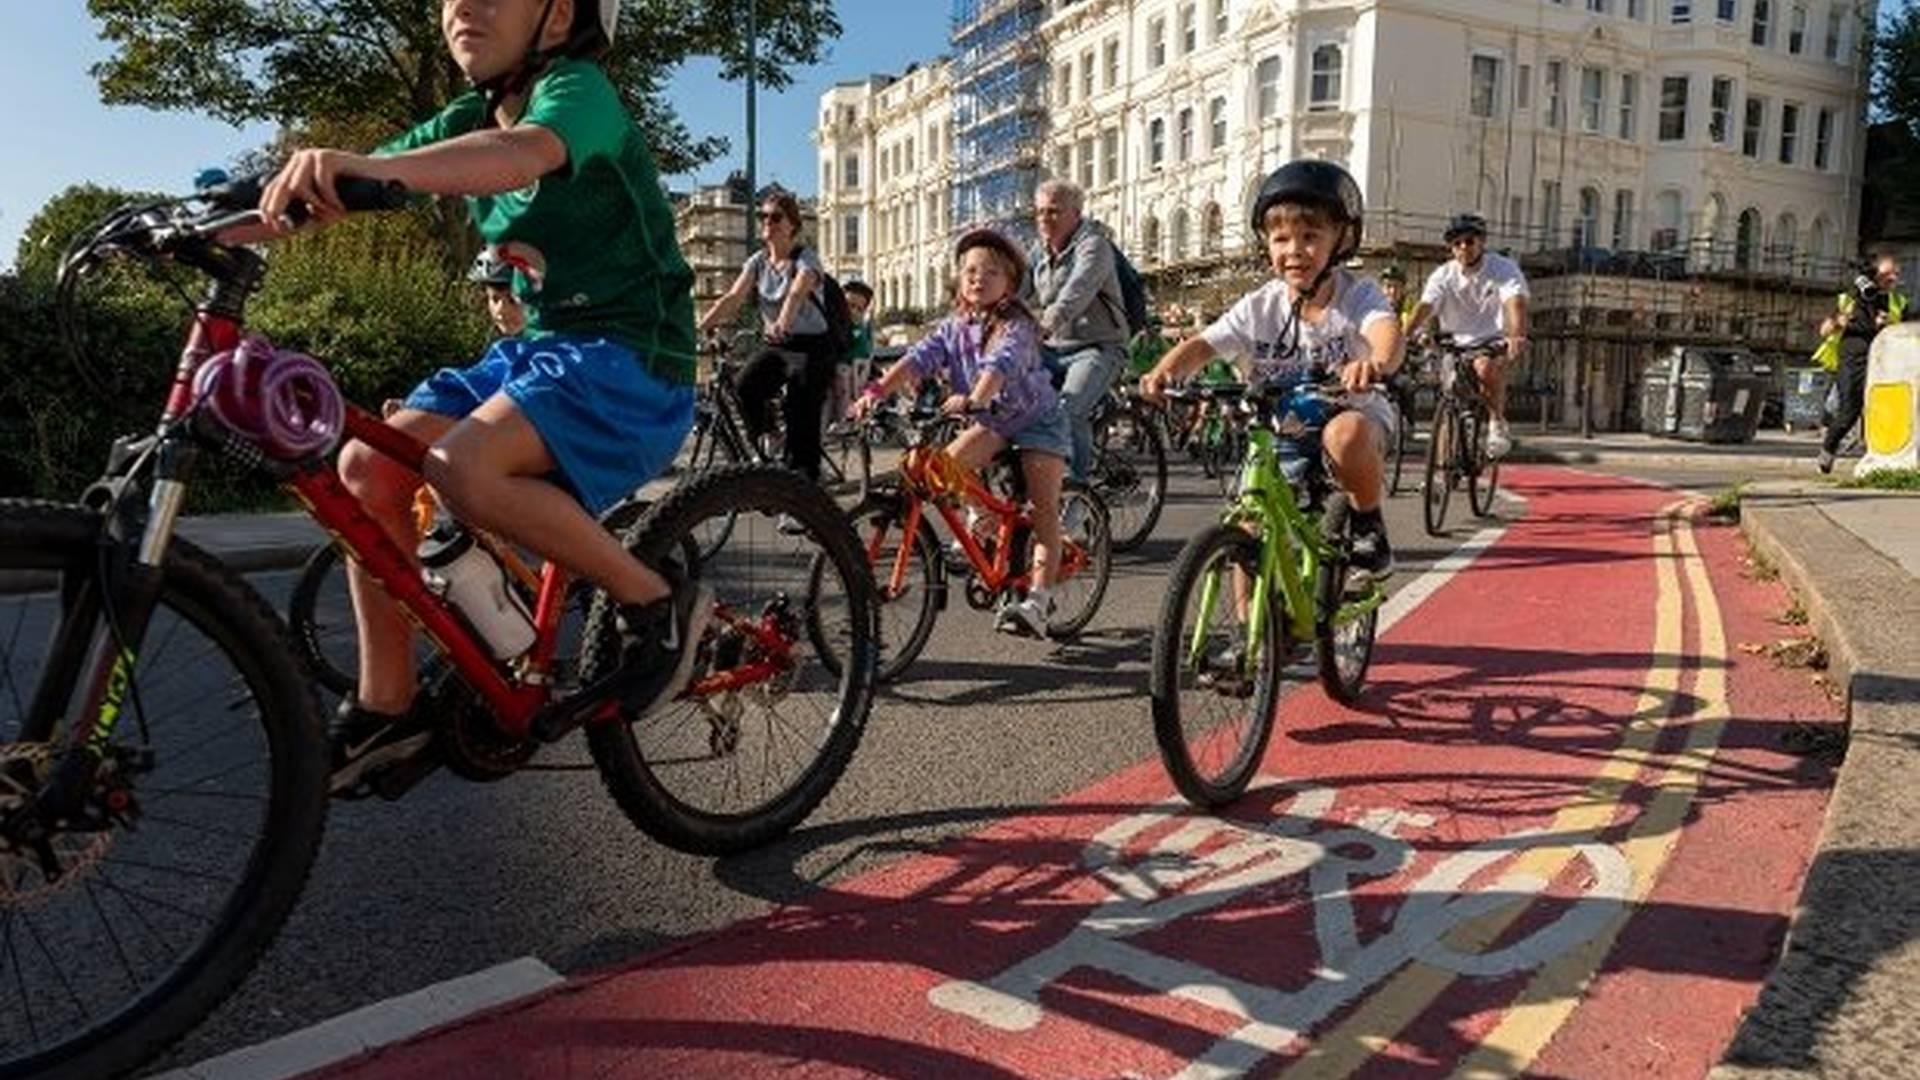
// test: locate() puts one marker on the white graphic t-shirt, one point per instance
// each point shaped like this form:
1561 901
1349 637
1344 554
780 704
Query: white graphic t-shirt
1251 333
1473 307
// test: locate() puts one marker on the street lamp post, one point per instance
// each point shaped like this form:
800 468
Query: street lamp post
753 84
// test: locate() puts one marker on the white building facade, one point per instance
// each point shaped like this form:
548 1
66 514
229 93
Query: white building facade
885 161
1729 131
1731 128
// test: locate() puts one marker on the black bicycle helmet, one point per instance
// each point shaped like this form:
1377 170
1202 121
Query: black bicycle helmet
1393 272
1310 182
490 269
1465 225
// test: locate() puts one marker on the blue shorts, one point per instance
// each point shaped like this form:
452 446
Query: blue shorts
609 423
1050 434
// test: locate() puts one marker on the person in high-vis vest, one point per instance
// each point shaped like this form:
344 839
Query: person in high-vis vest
1875 301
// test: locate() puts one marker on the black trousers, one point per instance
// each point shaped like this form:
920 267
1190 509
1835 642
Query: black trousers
1851 381
808 378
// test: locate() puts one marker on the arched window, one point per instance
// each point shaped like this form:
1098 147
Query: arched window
1746 239
1323 86
1178 247
1817 240
1211 230
1150 238
1786 237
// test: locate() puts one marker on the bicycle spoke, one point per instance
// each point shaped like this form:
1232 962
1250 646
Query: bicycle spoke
112 937
198 875
127 894
19 976
54 965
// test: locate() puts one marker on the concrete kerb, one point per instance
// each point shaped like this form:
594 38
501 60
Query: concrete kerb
1840 1000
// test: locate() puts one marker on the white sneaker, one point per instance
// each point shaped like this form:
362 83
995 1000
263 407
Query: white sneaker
1027 617
1498 441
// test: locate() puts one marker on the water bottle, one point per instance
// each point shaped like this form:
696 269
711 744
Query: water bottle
463 572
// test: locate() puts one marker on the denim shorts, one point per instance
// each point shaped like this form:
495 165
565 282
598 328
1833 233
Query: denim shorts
1050 434
610 424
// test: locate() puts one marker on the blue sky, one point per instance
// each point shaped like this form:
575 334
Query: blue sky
62 135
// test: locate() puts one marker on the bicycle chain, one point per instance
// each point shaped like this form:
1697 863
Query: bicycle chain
20 869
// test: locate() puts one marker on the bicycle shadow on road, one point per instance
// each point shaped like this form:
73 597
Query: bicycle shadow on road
1088 668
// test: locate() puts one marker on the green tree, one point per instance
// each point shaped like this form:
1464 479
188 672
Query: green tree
1896 69
1893 184
302 62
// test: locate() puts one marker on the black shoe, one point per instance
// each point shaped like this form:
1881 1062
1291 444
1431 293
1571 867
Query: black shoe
1371 557
363 740
661 639
1824 461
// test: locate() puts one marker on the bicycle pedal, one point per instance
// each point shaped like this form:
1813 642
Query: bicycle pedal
391 782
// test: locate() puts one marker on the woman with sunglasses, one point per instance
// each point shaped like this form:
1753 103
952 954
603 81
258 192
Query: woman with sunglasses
784 279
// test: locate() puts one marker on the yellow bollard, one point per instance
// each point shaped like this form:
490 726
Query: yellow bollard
1892 417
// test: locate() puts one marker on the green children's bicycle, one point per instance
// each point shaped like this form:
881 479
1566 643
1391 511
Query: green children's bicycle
1247 595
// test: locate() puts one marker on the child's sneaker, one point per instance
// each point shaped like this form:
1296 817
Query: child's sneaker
1026 617
363 739
1370 558
659 641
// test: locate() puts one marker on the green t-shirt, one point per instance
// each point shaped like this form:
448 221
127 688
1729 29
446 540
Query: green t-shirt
599 230
861 347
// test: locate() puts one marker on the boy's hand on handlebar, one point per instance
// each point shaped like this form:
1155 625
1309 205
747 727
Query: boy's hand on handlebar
309 177
1357 376
957 405
1153 386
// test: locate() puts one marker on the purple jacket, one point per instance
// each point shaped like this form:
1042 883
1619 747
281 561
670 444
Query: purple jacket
953 351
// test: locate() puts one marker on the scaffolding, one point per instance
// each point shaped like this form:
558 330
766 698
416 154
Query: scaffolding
999 110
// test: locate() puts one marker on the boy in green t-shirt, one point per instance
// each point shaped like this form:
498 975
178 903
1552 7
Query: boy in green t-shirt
592 400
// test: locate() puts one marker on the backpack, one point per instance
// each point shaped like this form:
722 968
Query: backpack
1133 291
832 302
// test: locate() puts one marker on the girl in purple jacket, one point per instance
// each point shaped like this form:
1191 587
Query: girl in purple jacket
988 351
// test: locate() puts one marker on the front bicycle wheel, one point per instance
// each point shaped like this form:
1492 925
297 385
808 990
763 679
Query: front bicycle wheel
1343 640
1438 485
118 940
764 728
909 578
1214 699
1483 472
1402 439
1130 472
1079 588
712 449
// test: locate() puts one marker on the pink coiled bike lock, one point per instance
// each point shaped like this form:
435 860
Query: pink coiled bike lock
284 402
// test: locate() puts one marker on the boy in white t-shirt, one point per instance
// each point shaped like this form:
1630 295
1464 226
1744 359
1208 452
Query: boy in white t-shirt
1313 322
1477 296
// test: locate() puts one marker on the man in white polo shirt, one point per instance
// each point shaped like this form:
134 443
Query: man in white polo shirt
1478 296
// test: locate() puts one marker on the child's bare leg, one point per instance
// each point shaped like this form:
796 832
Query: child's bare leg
489 471
1354 449
386 489
1044 473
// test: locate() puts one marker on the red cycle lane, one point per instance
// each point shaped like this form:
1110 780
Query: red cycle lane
1557 837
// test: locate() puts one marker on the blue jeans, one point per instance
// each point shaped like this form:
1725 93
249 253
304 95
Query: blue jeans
1084 377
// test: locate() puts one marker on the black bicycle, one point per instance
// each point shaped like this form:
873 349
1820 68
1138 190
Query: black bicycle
1129 470
1457 451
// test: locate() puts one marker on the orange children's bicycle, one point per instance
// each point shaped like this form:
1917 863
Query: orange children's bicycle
995 539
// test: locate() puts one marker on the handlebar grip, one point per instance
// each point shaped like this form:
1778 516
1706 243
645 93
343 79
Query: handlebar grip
357 193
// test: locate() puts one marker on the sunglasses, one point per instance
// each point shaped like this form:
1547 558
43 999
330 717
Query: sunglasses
775 216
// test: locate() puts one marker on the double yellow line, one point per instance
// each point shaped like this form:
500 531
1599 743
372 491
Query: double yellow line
1544 1005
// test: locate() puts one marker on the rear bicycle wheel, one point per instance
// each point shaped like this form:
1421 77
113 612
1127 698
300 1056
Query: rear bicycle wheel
1438 484
1483 472
1077 592
1343 642
320 615
219 753
764 729
1130 472
1214 704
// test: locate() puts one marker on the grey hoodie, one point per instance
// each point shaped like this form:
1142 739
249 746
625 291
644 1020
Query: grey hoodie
1076 294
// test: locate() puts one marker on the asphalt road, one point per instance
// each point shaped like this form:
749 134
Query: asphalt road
458 877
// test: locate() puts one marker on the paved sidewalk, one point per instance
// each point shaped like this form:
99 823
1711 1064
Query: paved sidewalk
1841 1003
1771 451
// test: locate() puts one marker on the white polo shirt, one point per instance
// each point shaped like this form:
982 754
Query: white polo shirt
1472 306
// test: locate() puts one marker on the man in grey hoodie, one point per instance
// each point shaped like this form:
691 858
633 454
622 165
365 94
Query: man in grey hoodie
1074 288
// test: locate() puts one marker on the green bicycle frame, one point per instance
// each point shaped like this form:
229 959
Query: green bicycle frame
1291 552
